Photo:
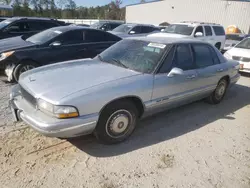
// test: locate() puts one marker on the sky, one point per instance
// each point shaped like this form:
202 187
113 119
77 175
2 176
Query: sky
88 3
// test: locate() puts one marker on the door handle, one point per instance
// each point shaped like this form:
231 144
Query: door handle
191 76
220 70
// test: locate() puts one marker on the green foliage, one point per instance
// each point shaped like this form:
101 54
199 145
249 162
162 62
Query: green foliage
66 9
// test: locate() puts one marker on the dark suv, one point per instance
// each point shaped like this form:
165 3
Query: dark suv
18 26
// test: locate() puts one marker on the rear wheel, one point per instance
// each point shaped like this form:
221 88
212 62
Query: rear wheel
117 122
23 67
219 93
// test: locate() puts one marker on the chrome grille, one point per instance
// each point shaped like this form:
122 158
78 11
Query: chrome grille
243 59
27 96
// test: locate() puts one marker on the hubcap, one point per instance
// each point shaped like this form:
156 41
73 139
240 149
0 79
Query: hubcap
26 68
118 123
220 90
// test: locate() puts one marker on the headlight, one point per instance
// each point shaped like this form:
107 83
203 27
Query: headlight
60 112
227 55
5 55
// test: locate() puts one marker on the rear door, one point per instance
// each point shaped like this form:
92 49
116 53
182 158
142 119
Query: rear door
208 67
200 29
178 89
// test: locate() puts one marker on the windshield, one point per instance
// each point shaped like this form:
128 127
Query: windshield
5 23
179 29
244 44
44 36
234 37
140 56
124 28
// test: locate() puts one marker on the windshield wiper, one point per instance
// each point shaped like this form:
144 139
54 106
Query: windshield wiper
100 58
119 62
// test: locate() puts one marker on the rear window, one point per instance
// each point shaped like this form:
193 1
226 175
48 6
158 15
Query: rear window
219 31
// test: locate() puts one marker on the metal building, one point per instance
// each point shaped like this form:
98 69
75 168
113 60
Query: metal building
224 12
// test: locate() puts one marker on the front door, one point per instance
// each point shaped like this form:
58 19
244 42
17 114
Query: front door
175 90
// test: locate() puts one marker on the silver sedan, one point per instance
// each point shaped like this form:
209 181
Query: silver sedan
132 79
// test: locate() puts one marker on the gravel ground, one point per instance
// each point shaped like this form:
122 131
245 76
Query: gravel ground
198 145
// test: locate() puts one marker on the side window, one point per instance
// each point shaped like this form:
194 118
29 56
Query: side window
137 29
99 36
105 27
208 31
202 55
18 27
183 57
199 29
48 25
146 29
36 26
219 31
72 37
114 25
167 63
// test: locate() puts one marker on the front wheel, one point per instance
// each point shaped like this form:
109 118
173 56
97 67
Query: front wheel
21 68
219 93
117 122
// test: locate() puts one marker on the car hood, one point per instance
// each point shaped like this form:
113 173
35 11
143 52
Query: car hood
57 81
239 52
13 44
160 34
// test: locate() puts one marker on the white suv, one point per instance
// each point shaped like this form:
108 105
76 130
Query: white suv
208 32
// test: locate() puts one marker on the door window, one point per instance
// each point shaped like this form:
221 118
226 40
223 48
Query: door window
137 29
167 63
72 37
146 29
183 57
199 29
202 55
18 27
99 36
208 31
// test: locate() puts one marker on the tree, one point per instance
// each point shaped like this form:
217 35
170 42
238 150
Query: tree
5 2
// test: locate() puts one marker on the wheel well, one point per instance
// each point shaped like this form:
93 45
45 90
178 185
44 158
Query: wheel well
218 44
135 100
28 60
227 78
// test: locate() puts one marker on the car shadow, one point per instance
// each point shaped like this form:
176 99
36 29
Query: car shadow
170 124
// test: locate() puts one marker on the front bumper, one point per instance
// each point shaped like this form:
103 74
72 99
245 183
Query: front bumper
47 125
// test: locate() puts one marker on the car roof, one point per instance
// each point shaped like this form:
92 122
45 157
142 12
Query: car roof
30 18
195 23
136 24
70 28
166 40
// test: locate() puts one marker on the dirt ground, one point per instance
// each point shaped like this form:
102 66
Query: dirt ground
198 145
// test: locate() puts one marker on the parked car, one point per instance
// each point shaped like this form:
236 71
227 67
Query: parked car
132 79
162 28
28 26
128 30
106 25
211 33
57 44
232 40
84 25
241 52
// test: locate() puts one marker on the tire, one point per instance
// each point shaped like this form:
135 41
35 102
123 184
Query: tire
218 94
217 45
23 67
117 122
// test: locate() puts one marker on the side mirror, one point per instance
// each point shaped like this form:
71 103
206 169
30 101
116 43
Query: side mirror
55 44
198 34
132 32
175 71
